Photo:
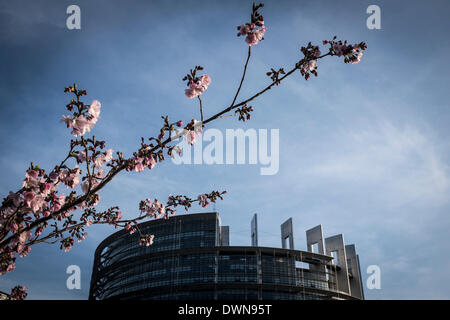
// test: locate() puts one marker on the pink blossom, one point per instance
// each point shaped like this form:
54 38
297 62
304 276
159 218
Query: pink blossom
206 81
23 237
101 159
31 174
85 185
81 125
254 37
339 49
108 155
198 87
53 175
358 56
26 250
68 121
139 166
243 30
310 65
58 202
15 198
192 136
46 188
37 204
191 93
81 156
203 200
252 32
100 173
146 240
28 196
83 237
18 293
70 179
150 162
31 179
94 109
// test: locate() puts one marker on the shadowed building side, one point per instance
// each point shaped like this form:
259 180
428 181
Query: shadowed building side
191 259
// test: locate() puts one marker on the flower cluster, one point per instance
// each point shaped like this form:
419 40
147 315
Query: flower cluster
275 75
30 208
203 200
152 209
18 293
85 117
142 159
255 30
146 240
97 168
352 53
38 198
308 65
244 112
193 131
197 85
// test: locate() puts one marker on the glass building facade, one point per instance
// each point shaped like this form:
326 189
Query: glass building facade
188 260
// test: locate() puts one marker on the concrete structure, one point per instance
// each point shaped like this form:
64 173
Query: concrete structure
335 248
354 271
254 231
224 236
287 232
191 259
314 238
314 243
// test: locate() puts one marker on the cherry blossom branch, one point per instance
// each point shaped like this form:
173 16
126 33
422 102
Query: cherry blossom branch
38 202
161 145
230 108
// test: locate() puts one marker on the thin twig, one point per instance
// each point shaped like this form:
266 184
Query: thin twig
201 108
243 75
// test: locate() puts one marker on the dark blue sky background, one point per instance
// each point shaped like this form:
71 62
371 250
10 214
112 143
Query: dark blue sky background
364 149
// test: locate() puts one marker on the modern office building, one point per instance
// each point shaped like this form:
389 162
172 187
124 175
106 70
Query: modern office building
191 259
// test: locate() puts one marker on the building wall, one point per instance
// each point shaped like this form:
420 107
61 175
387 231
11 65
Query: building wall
186 262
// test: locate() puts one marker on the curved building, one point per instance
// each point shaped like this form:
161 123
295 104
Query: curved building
191 259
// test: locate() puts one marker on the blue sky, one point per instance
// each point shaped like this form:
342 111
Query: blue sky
364 148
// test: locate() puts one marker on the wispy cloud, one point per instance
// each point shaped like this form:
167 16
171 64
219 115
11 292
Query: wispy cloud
402 159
